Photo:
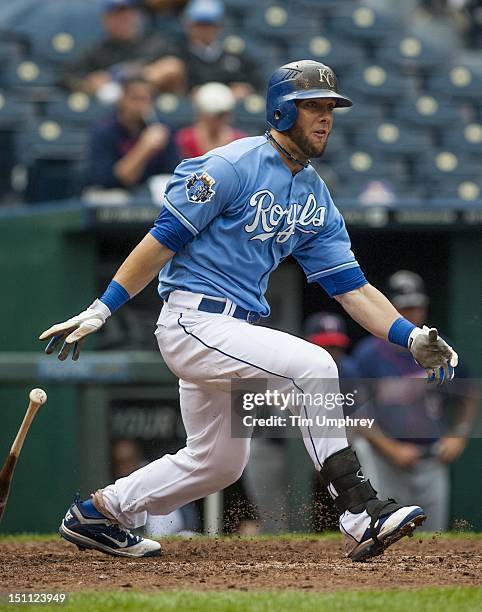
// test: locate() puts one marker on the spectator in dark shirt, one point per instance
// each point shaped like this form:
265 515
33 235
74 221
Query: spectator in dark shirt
125 51
130 145
204 56
214 103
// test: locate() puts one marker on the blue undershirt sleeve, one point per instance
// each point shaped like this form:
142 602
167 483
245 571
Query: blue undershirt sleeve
169 231
342 282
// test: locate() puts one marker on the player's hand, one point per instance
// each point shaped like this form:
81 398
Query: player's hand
405 455
451 448
154 137
74 330
434 354
402 454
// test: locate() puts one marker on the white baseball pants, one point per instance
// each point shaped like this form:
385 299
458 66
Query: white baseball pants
206 351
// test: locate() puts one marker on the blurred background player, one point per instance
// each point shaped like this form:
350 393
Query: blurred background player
131 145
126 50
214 103
419 431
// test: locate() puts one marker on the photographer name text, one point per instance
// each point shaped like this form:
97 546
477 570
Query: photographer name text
292 420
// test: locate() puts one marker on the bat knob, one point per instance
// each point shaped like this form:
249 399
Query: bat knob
38 396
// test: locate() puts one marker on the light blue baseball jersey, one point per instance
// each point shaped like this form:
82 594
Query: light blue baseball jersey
246 213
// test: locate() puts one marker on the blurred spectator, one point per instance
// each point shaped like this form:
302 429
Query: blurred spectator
466 14
470 14
419 429
130 145
126 457
214 103
125 51
206 59
378 193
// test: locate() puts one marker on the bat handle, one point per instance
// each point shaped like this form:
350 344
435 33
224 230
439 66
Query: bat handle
24 427
37 397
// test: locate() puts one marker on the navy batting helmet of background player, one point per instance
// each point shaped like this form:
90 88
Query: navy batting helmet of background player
299 80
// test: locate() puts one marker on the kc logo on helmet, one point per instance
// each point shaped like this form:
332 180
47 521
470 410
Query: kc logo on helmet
327 76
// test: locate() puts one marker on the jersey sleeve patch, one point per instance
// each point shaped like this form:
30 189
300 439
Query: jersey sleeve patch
199 188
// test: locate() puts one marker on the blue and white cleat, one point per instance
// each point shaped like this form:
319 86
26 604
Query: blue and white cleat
87 528
378 535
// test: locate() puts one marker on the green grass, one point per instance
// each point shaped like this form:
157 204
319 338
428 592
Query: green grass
334 535
423 600
28 537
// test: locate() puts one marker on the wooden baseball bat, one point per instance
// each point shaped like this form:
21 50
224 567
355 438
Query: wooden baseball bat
37 397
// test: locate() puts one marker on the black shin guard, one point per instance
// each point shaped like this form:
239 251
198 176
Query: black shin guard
354 492
343 471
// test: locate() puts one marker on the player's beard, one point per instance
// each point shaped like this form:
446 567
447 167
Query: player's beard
298 136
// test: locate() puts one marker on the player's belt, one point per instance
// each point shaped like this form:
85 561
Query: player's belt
218 307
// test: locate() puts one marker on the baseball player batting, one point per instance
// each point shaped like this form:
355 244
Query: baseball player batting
229 218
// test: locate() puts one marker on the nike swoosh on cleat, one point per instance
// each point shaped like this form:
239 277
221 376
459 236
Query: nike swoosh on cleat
119 544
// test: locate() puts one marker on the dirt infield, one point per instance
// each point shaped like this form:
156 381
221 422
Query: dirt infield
244 564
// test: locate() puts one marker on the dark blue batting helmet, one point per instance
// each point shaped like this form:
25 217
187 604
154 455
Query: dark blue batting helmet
299 80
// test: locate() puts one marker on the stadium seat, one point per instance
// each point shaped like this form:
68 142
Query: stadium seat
392 139
409 53
53 156
466 139
57 29
323 8
51 140
381 180
351 119
68 29
427 111
373 191
14 114
250 115
467 190
8 51
340 54
75 109
363 24
28 76
240 8
358 163
275 22
174 110
54 179
265 55
375 82
442 165
458 82
14 14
